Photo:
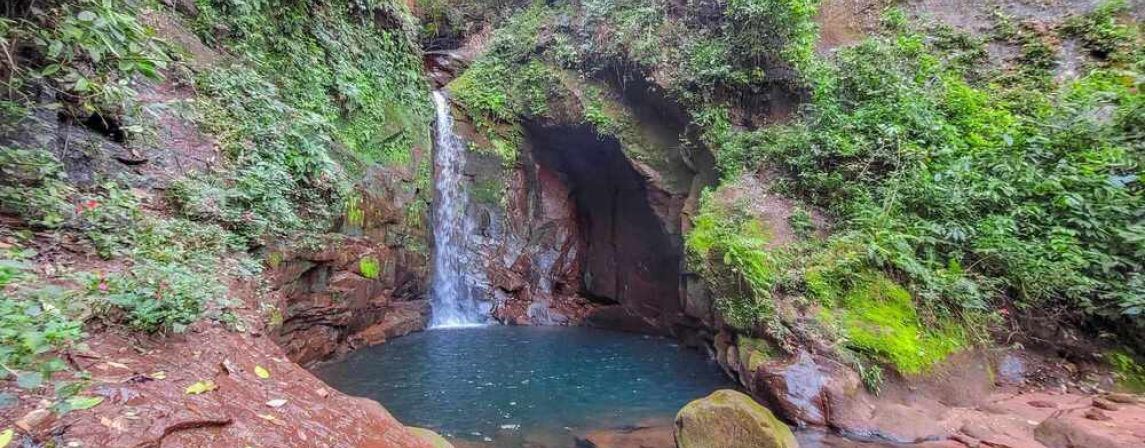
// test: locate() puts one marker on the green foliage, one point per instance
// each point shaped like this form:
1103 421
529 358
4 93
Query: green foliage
697 61
33 323
1131 374
763 26
490 191
354 214
328 59
86 50
319 93
730 251
315 92
156 296
108 217
1105 35
502 86
284 179
801 223
1040 198
33 186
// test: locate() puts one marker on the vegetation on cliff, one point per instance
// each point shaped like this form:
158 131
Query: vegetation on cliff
300 98
973 188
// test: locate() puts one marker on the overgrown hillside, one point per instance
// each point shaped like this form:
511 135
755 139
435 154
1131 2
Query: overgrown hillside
971 179
147 148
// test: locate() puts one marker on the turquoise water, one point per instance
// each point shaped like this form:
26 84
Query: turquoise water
526 386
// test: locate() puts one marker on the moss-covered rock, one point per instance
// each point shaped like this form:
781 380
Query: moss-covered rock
729 419
434 439
753 353
878 316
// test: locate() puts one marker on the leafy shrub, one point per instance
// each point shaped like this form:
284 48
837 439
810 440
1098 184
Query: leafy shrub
730 251
328 59
108 218
88 49
33 186
1104 35
1131 375
33 322
156 296
938 174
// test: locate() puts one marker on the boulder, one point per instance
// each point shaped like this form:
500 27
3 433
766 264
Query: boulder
798 387
729 419
434 439
1065 432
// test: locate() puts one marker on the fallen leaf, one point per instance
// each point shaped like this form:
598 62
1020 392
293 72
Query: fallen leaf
201 387
118 365
261 372
272 419
6 437
276 403
117 424
160 375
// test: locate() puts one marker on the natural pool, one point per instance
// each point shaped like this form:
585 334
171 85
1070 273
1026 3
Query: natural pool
535 387
509 386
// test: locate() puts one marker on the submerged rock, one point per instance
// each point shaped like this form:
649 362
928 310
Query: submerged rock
650 436
729 419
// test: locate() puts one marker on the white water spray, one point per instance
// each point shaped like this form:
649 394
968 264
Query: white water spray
453 304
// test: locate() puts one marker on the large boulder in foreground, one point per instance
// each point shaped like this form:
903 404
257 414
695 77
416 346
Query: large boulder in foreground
434 439
729 419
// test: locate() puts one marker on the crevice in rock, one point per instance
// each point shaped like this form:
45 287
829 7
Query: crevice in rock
106 126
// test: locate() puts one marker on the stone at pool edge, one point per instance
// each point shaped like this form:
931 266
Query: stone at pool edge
729 419
434 439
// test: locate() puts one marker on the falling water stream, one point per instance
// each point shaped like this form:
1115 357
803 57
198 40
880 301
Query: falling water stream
453 303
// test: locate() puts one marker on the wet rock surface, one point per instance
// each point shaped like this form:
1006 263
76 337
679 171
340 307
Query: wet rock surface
650 435
330 306
143 384
959 404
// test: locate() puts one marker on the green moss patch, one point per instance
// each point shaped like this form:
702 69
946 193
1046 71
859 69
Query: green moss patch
878 317
1130 374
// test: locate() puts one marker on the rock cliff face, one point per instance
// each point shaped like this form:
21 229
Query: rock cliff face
581 228
362 287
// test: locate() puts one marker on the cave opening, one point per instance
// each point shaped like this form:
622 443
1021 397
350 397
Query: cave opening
629 257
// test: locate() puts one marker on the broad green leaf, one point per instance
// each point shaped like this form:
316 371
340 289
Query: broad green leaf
80 402
261 372
201 387
50 70
6 437
30 380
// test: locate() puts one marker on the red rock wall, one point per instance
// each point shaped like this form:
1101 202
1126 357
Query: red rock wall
328 304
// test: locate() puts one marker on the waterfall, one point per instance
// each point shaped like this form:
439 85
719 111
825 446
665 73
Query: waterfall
453 304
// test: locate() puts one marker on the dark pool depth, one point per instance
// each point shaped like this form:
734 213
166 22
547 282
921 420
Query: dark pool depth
503 383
